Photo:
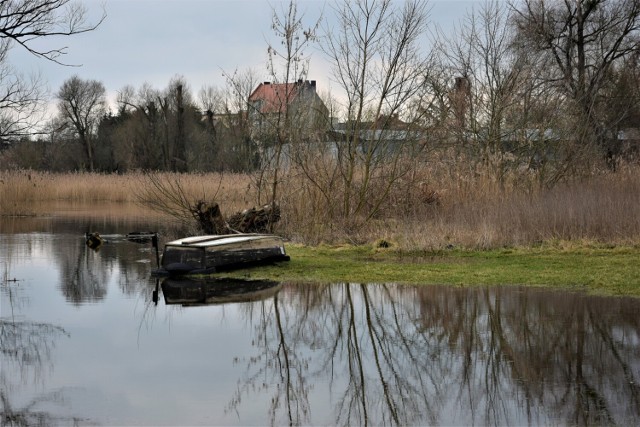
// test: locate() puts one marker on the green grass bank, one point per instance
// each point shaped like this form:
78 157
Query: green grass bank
595 270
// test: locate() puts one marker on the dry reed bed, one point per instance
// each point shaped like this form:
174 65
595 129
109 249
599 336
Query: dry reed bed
476 211
23 192
470 213
601 210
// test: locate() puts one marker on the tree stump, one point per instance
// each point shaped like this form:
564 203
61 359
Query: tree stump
209 217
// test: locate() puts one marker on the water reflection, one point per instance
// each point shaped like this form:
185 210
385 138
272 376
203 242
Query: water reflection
26 348
208 291
51 253
405 356
83 275
81 328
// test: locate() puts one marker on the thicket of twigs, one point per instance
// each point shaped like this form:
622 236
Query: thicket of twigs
436 210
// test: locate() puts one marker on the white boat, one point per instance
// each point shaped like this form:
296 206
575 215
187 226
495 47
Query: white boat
208 254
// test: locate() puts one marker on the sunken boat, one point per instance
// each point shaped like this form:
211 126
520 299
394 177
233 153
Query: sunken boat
213 253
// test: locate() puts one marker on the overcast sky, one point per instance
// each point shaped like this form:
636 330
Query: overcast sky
151 41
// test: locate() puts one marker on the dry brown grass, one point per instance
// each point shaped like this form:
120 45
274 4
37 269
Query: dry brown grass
31 193
452 203
432 209
602 209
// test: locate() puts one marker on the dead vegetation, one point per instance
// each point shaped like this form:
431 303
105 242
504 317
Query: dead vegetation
433 209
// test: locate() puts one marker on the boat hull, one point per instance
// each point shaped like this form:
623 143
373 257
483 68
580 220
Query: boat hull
210 254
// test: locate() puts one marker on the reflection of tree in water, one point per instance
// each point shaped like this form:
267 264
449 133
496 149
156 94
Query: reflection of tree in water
281 360
392 379
26 354
568 357
388 371
83 274
30 415
27 346
415 355
133 261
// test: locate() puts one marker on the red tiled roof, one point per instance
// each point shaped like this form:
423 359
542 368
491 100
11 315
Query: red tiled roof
274 96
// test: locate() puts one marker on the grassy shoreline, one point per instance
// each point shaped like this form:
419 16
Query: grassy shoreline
595 270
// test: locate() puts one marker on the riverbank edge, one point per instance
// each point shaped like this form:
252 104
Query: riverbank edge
599 269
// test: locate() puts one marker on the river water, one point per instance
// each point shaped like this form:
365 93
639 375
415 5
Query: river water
89 338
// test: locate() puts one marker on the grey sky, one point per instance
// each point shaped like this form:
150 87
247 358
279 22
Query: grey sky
151 41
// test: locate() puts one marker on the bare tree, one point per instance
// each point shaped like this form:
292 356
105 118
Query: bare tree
226 127
24 23
274 115
492 77
378 62
140 136
287 64
240 84
621 104
581 41
160 127
239 151
212 102
82 104
21 99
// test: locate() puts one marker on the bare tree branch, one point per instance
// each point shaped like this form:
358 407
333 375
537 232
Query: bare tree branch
25 21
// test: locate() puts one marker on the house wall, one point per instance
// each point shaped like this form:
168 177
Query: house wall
305 111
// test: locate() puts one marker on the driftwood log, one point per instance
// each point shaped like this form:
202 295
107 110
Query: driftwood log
254 220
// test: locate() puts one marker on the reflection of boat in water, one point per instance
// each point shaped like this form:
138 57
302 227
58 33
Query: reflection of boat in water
208 254
189 291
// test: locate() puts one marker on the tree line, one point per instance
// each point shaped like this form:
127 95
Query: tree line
162 130
550 88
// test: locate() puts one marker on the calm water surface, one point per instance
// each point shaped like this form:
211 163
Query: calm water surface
83 342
